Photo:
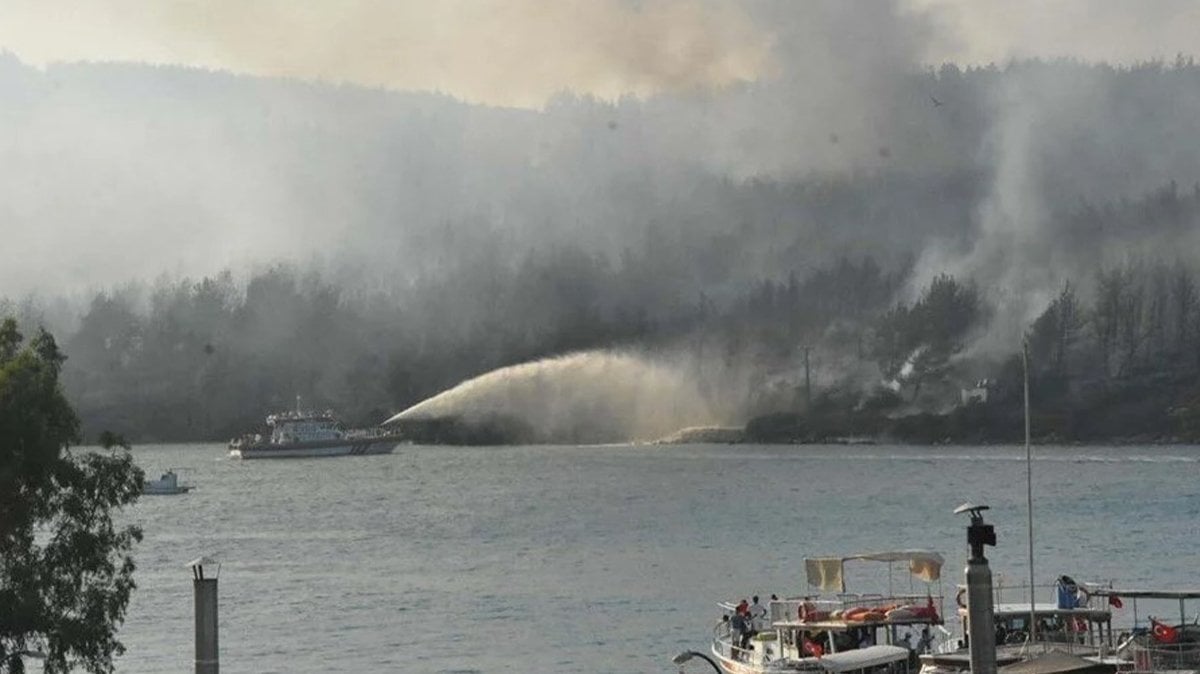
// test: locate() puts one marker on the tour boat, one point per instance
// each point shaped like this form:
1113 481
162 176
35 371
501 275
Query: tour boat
839 632
166 485
298 433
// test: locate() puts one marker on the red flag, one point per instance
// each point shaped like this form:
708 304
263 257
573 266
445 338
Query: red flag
813 648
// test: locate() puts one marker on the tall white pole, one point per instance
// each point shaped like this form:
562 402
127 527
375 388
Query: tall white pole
1029 492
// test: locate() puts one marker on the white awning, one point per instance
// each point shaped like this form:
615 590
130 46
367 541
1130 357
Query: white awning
826 572
924 564
862 658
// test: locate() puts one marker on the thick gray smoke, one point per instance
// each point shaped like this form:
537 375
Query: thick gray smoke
807 132
1066 136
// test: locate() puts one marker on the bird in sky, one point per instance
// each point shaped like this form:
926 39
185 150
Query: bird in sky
936 102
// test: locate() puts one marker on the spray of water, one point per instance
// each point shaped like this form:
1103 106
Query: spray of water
592 396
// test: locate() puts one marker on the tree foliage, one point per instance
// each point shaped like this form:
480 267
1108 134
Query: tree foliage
66 572
916 343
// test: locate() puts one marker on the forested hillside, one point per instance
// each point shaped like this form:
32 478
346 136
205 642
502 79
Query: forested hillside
390 245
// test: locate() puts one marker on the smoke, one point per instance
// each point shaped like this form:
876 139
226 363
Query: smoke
731 142
505 52
979 32
1067 137
585 397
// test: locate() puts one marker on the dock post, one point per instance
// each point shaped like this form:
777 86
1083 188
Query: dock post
205 592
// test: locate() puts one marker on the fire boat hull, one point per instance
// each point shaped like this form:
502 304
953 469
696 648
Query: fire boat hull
320 448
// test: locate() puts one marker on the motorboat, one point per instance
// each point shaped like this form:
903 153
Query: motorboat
166 485
298 433
838 631
1157 644
1078 623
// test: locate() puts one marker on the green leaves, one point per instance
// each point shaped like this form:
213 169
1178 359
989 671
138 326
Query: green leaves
66 572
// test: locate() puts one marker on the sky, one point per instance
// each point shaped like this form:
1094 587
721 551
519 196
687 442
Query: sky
521 52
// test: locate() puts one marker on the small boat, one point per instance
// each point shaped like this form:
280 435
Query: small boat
1157 644
1074 625
299 434
166 485
838 632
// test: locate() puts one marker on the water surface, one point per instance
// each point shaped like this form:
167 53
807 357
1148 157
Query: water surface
600 559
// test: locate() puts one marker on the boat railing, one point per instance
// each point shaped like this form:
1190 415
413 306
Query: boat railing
1019 593
789 610
882 601
1160 657
723 643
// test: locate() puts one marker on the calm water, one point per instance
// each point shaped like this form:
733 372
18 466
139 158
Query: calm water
599 559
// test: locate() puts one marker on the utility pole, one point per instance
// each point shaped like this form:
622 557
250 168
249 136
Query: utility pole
807 381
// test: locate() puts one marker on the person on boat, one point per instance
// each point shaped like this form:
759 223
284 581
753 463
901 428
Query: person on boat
866 637
758 614
743 608
925 644
739 632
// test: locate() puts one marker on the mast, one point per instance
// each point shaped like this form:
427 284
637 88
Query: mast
1032 631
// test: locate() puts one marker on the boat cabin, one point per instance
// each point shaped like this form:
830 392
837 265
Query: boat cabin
290 427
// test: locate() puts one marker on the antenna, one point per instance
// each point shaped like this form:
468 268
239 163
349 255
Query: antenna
975 510
1029 491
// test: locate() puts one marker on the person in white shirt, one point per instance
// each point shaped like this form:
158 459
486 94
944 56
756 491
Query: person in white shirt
758 615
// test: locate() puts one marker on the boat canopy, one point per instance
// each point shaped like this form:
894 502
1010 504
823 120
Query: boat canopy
827 574
862 658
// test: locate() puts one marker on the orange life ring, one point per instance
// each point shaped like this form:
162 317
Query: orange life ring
855 614
960 598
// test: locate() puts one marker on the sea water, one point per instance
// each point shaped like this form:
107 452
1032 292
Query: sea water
603 559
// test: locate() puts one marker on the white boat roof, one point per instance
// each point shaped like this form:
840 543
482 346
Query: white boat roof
862 658
828 573
901 556
1044 608
1146 594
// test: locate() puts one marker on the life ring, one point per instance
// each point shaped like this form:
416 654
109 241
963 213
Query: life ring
960 598
856 614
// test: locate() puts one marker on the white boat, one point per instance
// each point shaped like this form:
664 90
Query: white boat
298 434
1075 624
166 485
1080 624
839 631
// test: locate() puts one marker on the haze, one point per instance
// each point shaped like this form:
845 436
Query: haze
467 170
